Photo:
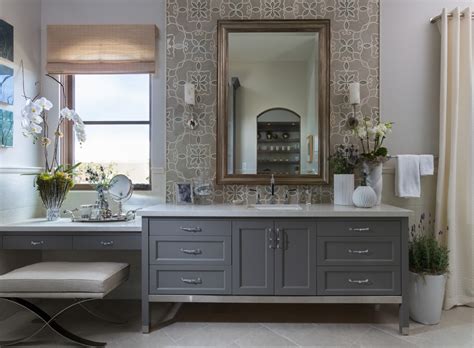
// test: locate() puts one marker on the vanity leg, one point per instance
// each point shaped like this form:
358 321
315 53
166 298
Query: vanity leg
404 313
145 316
145 278
404 319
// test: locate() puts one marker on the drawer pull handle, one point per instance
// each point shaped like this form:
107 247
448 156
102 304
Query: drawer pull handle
358 281
36 243
107 243
359 229
191 251
191 229
363 252
192 281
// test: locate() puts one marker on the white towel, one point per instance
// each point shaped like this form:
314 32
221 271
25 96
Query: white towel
407 176
426 165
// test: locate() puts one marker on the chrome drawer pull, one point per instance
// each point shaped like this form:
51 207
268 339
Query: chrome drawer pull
191 229
350 251
359 229
36 243
192 281
358 281
191 251
107 243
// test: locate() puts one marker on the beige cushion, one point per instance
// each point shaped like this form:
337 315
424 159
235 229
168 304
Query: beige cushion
80 279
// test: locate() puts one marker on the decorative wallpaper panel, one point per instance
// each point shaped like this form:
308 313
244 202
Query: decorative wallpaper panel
192 56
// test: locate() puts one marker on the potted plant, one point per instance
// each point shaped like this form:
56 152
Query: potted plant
99 176
343 162
371 136
55 181
428 262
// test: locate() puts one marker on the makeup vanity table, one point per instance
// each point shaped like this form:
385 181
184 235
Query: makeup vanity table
295 254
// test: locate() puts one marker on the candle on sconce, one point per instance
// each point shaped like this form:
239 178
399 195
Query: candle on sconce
354 93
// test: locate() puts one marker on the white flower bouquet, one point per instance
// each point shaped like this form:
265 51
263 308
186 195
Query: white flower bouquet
371 137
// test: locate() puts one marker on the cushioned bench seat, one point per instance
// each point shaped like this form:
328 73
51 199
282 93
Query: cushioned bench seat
64 280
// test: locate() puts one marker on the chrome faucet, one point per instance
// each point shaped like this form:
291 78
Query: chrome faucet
272 186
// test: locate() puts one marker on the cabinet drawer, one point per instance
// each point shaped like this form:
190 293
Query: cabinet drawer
190 227
204 250
105 242
194 280
358 227
358 251
358 281
37 242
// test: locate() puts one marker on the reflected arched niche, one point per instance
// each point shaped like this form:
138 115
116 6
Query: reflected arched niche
278 142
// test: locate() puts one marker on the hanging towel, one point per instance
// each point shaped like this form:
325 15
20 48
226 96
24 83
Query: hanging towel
407 176
426 165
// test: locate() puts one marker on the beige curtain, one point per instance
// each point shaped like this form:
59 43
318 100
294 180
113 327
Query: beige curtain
455 188
101 49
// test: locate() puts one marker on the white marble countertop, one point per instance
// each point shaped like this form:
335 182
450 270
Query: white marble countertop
314 210
65 225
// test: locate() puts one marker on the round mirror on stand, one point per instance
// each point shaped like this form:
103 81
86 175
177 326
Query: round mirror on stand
120 190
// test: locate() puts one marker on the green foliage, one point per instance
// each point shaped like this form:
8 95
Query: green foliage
344 159
53 187
426 255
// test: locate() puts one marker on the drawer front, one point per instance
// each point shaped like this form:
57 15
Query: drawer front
333 251
358 227
190 227
37 242
358 281
208 280
204 250
104 242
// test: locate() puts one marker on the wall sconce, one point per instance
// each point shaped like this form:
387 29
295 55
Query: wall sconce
354 99
190 100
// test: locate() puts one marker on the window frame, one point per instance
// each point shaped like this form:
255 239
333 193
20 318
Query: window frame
67 145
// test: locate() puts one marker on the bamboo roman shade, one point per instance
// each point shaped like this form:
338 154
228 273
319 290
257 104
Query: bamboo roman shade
101 49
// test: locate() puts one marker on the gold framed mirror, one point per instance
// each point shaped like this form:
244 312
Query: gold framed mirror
273 101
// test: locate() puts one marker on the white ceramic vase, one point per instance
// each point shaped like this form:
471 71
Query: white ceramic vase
426 295
374 178
364 197
343 189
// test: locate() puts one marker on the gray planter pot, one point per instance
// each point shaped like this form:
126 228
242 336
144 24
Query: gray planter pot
426 297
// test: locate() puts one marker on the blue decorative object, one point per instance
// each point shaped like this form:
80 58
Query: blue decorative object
6 128
6 85
6 40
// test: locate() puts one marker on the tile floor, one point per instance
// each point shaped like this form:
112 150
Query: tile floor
247 325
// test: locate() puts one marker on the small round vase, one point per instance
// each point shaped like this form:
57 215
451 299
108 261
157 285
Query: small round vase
364 197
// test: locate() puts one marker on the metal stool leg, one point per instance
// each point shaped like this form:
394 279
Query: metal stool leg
50 322
101 316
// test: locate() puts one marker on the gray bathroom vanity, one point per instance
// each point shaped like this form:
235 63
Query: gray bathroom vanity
281 254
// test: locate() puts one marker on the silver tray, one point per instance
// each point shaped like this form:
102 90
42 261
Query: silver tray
111 219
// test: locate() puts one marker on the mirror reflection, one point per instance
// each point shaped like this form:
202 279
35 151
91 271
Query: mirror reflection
272 103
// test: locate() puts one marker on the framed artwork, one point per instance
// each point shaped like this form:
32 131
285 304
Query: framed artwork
6 85
6 128
6 40
184 193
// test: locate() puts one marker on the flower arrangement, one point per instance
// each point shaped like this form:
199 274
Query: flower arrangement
56 180
371 137
344 160
98 175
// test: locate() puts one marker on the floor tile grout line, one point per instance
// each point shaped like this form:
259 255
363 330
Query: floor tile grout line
399 336
276 333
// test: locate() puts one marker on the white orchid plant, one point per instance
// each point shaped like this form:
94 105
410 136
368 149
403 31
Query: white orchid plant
35 125
371 136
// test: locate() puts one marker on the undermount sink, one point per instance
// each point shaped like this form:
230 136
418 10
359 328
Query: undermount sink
276 207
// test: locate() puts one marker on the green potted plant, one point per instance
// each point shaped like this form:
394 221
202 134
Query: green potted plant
343 163
428 262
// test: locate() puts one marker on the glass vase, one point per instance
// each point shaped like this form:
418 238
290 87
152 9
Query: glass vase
53 214
53 188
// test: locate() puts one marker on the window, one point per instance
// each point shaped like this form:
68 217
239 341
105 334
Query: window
116 114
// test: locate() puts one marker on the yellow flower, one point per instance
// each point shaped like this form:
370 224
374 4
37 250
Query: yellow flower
45 141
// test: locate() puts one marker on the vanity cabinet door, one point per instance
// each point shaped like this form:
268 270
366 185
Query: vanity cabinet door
252 257
295 258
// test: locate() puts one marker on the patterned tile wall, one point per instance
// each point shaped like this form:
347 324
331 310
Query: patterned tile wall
192 56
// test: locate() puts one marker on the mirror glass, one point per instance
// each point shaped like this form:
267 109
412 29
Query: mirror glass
121 188
272 103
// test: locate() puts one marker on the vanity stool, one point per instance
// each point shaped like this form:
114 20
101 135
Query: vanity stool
81 281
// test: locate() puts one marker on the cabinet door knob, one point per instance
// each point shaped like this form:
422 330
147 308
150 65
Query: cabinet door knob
358 281
191 229
278 238
350 251
196 281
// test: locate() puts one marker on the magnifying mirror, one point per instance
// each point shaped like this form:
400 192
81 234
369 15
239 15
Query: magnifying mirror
120 190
